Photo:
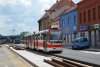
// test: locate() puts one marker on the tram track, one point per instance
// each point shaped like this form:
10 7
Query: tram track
68 62
59 61
75 62
79 61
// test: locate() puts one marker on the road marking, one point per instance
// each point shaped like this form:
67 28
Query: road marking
90 52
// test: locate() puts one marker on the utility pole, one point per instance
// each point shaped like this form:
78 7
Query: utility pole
13 32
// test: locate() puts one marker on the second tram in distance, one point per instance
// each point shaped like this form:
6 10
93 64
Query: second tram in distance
46 40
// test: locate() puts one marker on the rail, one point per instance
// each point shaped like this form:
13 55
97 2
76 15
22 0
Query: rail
61 62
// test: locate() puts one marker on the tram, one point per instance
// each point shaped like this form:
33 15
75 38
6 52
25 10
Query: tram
46 40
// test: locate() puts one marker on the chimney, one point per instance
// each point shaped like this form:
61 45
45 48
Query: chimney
56 1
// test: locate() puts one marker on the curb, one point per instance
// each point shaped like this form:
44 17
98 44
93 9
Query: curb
34 65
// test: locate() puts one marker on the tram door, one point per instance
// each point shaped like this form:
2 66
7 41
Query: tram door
36 41
27 42
30 42
45 42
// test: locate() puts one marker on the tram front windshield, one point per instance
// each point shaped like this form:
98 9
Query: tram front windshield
55 36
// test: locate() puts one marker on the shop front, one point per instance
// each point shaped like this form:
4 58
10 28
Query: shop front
92 32
94 35
84 29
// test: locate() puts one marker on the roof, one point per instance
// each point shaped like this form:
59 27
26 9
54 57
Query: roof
68 10
59 5
52 8
43 31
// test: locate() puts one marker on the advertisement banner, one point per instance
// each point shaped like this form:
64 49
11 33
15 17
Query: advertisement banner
94 26
82 28
91 27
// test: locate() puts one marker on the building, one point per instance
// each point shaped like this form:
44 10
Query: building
52 15
89 21
44 22
68 24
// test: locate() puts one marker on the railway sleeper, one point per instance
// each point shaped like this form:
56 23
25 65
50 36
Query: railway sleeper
76 63
63 63
53 63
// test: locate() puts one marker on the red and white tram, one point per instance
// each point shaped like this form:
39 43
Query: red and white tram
46 40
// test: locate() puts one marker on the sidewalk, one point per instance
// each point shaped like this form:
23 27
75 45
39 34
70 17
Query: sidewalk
33 58
68 46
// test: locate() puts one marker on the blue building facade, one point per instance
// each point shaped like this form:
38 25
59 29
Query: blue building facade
68 24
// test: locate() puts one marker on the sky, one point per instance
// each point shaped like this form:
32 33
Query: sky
17 16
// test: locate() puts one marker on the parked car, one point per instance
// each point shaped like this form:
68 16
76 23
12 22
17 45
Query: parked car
80 42
19 46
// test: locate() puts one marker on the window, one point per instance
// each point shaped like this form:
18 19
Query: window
68 20
89 15
74 19
46 25
99 12
80 16
55 34
80 34
84 14
94 14
83 34
62 23
83 40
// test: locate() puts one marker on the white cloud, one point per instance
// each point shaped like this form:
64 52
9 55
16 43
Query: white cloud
45 4
5 26
46 1
26 3
4 20
22 26
25 27
22 14
12 3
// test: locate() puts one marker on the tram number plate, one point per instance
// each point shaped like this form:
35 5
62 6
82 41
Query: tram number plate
54 48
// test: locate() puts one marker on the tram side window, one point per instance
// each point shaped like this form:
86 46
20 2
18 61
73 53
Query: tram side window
45 36
38 36
42 37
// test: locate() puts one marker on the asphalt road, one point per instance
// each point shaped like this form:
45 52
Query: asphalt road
87 56
9 59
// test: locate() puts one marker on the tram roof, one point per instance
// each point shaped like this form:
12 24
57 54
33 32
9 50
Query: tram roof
28 34
43 31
